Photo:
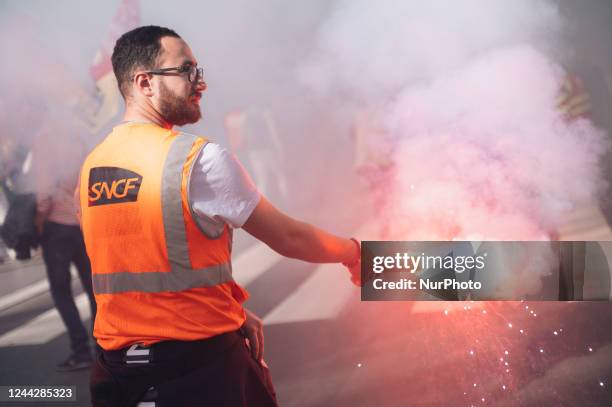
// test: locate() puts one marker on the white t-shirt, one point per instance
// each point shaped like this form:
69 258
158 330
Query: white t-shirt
220 191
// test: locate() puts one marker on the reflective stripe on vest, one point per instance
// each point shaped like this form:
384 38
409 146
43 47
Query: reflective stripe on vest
181 275
153 282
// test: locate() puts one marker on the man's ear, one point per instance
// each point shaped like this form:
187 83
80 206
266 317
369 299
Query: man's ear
143 85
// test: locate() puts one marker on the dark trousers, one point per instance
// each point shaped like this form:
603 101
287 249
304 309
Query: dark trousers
61 246
218 371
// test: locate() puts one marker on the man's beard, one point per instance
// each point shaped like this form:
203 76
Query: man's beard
178 111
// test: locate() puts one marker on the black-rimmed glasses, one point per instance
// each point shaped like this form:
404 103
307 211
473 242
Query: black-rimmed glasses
192 70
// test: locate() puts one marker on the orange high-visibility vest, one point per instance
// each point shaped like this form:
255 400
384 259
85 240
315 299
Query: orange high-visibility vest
156 275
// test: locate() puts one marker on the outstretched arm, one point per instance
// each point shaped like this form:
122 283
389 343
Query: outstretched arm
296 239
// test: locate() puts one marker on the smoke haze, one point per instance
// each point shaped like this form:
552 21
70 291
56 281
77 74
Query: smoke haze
465 93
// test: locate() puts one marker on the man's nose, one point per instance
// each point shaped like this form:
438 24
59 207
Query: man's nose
201 86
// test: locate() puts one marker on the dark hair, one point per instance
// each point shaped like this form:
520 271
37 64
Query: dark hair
137 49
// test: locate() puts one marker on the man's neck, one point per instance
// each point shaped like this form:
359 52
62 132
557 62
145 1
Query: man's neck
135 113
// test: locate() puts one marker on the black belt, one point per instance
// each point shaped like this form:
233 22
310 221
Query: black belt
172 351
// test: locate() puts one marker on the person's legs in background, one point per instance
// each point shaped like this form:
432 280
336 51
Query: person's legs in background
58 250
81 261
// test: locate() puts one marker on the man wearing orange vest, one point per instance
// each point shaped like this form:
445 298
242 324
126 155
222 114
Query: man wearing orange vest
157 211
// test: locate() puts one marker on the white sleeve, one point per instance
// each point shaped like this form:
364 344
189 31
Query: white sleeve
220 189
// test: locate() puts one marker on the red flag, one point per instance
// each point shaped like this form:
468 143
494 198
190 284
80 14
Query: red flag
126 18
106 99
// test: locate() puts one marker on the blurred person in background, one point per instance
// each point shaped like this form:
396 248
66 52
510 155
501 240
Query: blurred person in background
253 137
57 154
19 204
587 91
8 171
